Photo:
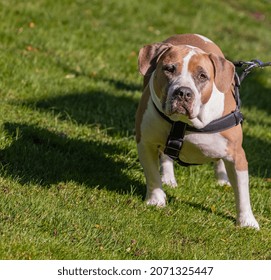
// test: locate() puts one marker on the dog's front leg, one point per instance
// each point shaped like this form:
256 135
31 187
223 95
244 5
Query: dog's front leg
221 173
149 159
167 170
240 181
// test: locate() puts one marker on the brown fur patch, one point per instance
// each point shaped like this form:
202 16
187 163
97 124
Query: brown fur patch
230 103
196 41
224 73
148 59
201 63
235 149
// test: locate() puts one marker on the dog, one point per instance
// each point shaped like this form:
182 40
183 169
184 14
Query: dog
187 79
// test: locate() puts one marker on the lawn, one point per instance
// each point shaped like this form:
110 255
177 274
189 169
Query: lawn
71 186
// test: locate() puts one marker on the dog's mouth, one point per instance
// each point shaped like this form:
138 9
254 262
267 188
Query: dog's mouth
175 107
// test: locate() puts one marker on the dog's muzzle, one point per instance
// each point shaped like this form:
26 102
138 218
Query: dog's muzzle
184 94
181 101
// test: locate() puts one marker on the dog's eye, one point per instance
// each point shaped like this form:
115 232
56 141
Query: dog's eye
203 77
169 68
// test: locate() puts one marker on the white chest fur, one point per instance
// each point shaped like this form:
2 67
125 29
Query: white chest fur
201 148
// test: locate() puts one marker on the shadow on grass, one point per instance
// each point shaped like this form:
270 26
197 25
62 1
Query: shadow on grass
254 93
258 153
209 210
118 84
38 155
115 113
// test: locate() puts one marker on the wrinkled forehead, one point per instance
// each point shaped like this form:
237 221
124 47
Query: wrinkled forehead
200 61
176 54
188 56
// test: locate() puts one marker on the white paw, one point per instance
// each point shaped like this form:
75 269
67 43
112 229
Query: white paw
248 221
170 181
223 182
156 197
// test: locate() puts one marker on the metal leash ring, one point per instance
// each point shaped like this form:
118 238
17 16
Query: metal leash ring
249 65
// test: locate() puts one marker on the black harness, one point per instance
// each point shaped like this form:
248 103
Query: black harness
176 136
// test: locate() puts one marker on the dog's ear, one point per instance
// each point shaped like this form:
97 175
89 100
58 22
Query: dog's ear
149 56
224 72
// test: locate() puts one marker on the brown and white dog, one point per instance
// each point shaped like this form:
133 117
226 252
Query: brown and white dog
188 79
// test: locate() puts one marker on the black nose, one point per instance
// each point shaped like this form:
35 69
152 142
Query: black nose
185 93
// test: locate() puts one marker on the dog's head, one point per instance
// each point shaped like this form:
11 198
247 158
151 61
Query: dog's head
184 77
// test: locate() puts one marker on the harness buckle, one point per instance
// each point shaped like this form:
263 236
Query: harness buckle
173 147
175 140
238 116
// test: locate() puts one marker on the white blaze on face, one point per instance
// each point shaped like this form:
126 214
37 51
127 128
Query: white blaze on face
185 79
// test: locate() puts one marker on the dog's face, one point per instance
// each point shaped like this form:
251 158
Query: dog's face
185 77
184 80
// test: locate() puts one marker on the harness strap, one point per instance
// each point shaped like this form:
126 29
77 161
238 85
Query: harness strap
218 125
236 91
175 142
162 115
223 123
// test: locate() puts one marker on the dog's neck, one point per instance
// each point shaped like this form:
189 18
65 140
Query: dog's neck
154 96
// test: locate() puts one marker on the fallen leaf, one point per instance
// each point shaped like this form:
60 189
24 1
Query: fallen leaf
213 209
31 48
70 76
31 25
133 242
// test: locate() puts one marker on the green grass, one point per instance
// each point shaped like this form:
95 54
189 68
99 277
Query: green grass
71 186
